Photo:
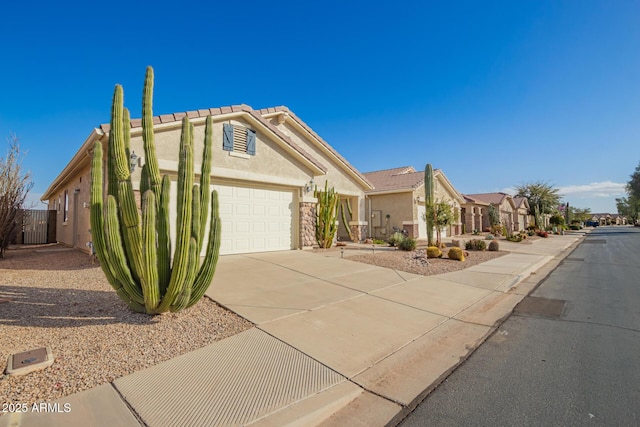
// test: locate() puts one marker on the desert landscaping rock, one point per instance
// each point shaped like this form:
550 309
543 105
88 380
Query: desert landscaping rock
416 261
62 300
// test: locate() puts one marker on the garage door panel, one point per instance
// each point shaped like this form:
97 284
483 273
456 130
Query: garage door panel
253 219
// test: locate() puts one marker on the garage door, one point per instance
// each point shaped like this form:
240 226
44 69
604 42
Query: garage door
253 219
422 224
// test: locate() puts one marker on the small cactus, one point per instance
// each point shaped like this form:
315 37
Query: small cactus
434 252
456 253
326 215
494 245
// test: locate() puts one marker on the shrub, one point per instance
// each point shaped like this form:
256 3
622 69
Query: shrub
531 228
494 246
407 244
543 234
574 226
531 232
396 238
434 252
489 237
476 232
514 238
456 253
476 245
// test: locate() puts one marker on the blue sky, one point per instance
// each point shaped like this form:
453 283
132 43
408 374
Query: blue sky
495 94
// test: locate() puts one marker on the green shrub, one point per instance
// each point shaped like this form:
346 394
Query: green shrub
396 238
574 226
434 252
476 245
489 237
378 242
531 232
514 238
456 253
407 244
494 246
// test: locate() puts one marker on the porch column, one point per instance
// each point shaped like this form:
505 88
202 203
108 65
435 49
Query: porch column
307 222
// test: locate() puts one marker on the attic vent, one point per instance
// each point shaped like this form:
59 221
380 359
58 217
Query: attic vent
239 139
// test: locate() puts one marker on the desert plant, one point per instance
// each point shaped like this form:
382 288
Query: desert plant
456 253
396 238
326 215
489 237
429 199
343 214
476 245
514 238
434 252
494 246
531 233
135 254
543 233
407 244
15 184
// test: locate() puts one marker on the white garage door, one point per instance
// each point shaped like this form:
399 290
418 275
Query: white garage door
422 224
253 219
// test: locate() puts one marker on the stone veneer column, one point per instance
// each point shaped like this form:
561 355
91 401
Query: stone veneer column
469 221
358 230
307 224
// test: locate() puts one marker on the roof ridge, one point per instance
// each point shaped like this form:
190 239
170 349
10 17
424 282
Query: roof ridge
389 169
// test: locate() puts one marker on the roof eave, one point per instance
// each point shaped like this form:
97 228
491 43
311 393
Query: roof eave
80 160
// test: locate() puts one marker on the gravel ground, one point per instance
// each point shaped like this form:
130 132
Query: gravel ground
416 261
57 297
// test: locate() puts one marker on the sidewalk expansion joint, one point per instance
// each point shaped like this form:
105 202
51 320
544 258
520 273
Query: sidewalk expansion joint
129 407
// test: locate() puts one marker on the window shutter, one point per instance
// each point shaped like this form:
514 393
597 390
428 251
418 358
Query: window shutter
251 142
227 139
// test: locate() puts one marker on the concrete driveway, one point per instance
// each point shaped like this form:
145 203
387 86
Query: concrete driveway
389 332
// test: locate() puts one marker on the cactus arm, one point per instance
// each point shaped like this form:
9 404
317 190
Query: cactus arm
117 255
184 296
208 267
145 184
149 279
164 237
195 214
97 217
130 226
180 269
205 179
147 133
428 201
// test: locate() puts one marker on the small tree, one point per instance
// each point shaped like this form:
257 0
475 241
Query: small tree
442 214
494 220
557 220
14 187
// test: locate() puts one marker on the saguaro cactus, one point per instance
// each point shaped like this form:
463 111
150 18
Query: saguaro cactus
134 252
326 215
429 200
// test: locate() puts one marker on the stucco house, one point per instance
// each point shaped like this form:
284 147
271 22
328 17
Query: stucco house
397 201
476 210
521 217
265 166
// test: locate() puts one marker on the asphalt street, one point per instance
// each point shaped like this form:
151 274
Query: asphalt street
569 355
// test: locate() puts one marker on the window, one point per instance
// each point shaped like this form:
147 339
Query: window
66 206
239 139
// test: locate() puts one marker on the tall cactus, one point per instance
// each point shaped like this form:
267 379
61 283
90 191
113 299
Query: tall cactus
135 252
429 201
345 221
326 215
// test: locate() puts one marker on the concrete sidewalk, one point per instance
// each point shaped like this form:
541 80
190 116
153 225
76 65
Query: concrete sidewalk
336 342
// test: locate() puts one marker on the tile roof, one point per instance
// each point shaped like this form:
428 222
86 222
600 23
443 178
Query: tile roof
402 178
487 198
519 201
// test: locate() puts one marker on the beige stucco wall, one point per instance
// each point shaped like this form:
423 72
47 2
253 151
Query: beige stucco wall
399 207
271 164
78 190
336 176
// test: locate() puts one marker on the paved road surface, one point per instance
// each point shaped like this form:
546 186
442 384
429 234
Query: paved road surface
568 356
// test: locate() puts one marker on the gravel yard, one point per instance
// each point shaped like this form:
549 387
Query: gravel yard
55 296
416 261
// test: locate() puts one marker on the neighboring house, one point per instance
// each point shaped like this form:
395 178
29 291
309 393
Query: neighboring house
521 214
397 201
265 166
476 209
608 219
